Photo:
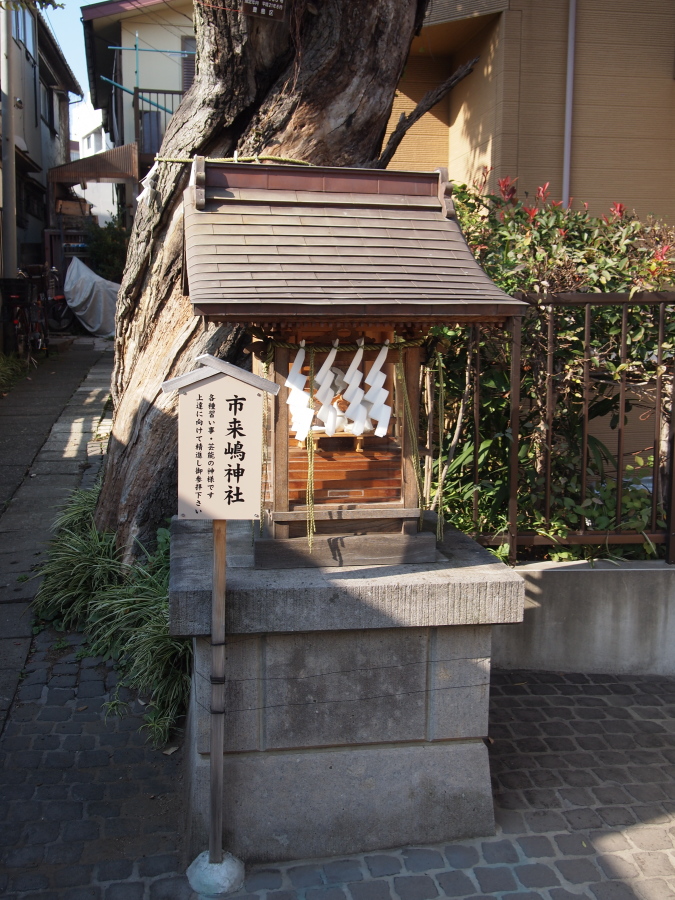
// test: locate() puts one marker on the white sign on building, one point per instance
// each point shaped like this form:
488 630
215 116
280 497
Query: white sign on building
220 425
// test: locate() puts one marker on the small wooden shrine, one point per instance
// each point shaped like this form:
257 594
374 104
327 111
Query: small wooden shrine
339 274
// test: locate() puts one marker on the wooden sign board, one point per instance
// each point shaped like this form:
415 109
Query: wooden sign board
266 9
219 449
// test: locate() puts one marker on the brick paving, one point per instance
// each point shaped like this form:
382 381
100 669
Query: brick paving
47 423
583 769
88 809
584 779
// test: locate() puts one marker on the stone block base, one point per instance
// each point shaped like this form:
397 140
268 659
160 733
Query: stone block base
356 700
317 803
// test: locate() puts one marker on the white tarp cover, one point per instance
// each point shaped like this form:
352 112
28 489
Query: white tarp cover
91 298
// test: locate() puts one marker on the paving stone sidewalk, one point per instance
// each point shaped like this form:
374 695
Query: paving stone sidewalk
584 781
583 766
88 810
47 422
584 775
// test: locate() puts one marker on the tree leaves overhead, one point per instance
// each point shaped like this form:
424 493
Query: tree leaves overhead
35 4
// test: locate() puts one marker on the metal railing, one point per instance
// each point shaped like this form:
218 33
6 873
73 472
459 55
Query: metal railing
602 383
152 111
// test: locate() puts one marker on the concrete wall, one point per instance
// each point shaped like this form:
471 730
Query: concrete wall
607 619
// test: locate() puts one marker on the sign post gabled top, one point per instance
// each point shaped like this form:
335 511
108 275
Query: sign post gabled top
220 439
211 366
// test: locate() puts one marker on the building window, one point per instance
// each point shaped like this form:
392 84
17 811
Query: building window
47 100
35 204
188 46
24 29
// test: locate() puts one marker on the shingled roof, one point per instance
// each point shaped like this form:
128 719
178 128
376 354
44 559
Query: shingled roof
270 242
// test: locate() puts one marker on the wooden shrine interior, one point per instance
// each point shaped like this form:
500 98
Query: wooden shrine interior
366 504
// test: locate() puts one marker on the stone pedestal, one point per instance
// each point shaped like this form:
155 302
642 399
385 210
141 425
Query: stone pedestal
357 698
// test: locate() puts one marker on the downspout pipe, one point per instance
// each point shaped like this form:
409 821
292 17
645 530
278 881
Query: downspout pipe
9 245
569 101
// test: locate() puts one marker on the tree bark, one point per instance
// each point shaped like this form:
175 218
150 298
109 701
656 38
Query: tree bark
318 87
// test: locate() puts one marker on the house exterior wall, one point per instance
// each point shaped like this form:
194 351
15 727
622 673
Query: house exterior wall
476 107
87 123
509 113
426 146
38 70
163 30
624 130
28 138
55 140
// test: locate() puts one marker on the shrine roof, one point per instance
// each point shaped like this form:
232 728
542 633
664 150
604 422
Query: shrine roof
270 242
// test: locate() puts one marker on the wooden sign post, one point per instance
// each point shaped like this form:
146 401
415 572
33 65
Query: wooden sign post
220 435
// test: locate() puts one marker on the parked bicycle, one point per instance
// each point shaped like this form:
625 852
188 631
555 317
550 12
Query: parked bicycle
60 316
25 318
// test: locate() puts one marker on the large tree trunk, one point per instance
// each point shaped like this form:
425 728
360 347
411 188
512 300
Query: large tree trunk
318 87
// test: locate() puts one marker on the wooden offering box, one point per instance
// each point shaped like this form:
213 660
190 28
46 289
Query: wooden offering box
312 257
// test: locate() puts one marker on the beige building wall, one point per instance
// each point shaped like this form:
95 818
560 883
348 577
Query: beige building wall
475 133
509 113
157 30
624 112
425 147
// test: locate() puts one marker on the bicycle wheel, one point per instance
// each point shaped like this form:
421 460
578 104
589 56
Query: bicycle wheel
60 316
39 338
21 331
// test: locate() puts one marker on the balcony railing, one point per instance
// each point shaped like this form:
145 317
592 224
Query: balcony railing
152 111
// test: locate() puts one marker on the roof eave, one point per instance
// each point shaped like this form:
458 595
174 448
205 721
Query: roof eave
88 29
115 7
48 45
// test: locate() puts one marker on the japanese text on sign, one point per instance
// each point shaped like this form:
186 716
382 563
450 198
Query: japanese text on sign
219 450
266 9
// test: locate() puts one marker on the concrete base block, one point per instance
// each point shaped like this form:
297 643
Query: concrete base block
299 805
215 880
356 700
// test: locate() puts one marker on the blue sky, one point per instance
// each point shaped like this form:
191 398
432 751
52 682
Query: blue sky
66 25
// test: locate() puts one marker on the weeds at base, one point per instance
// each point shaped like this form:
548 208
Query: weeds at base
122 609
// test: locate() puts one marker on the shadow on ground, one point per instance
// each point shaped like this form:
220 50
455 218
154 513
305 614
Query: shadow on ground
584 779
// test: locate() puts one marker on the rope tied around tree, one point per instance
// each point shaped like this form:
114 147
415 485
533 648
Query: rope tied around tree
264 348
288 161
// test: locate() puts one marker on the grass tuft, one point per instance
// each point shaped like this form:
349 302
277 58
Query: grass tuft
122 609
11 370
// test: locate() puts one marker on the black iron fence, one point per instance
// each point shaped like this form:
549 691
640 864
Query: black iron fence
567 425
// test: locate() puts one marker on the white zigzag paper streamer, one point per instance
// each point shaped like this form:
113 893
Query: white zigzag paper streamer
376 396
299 401
326 378
354 394
148 185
